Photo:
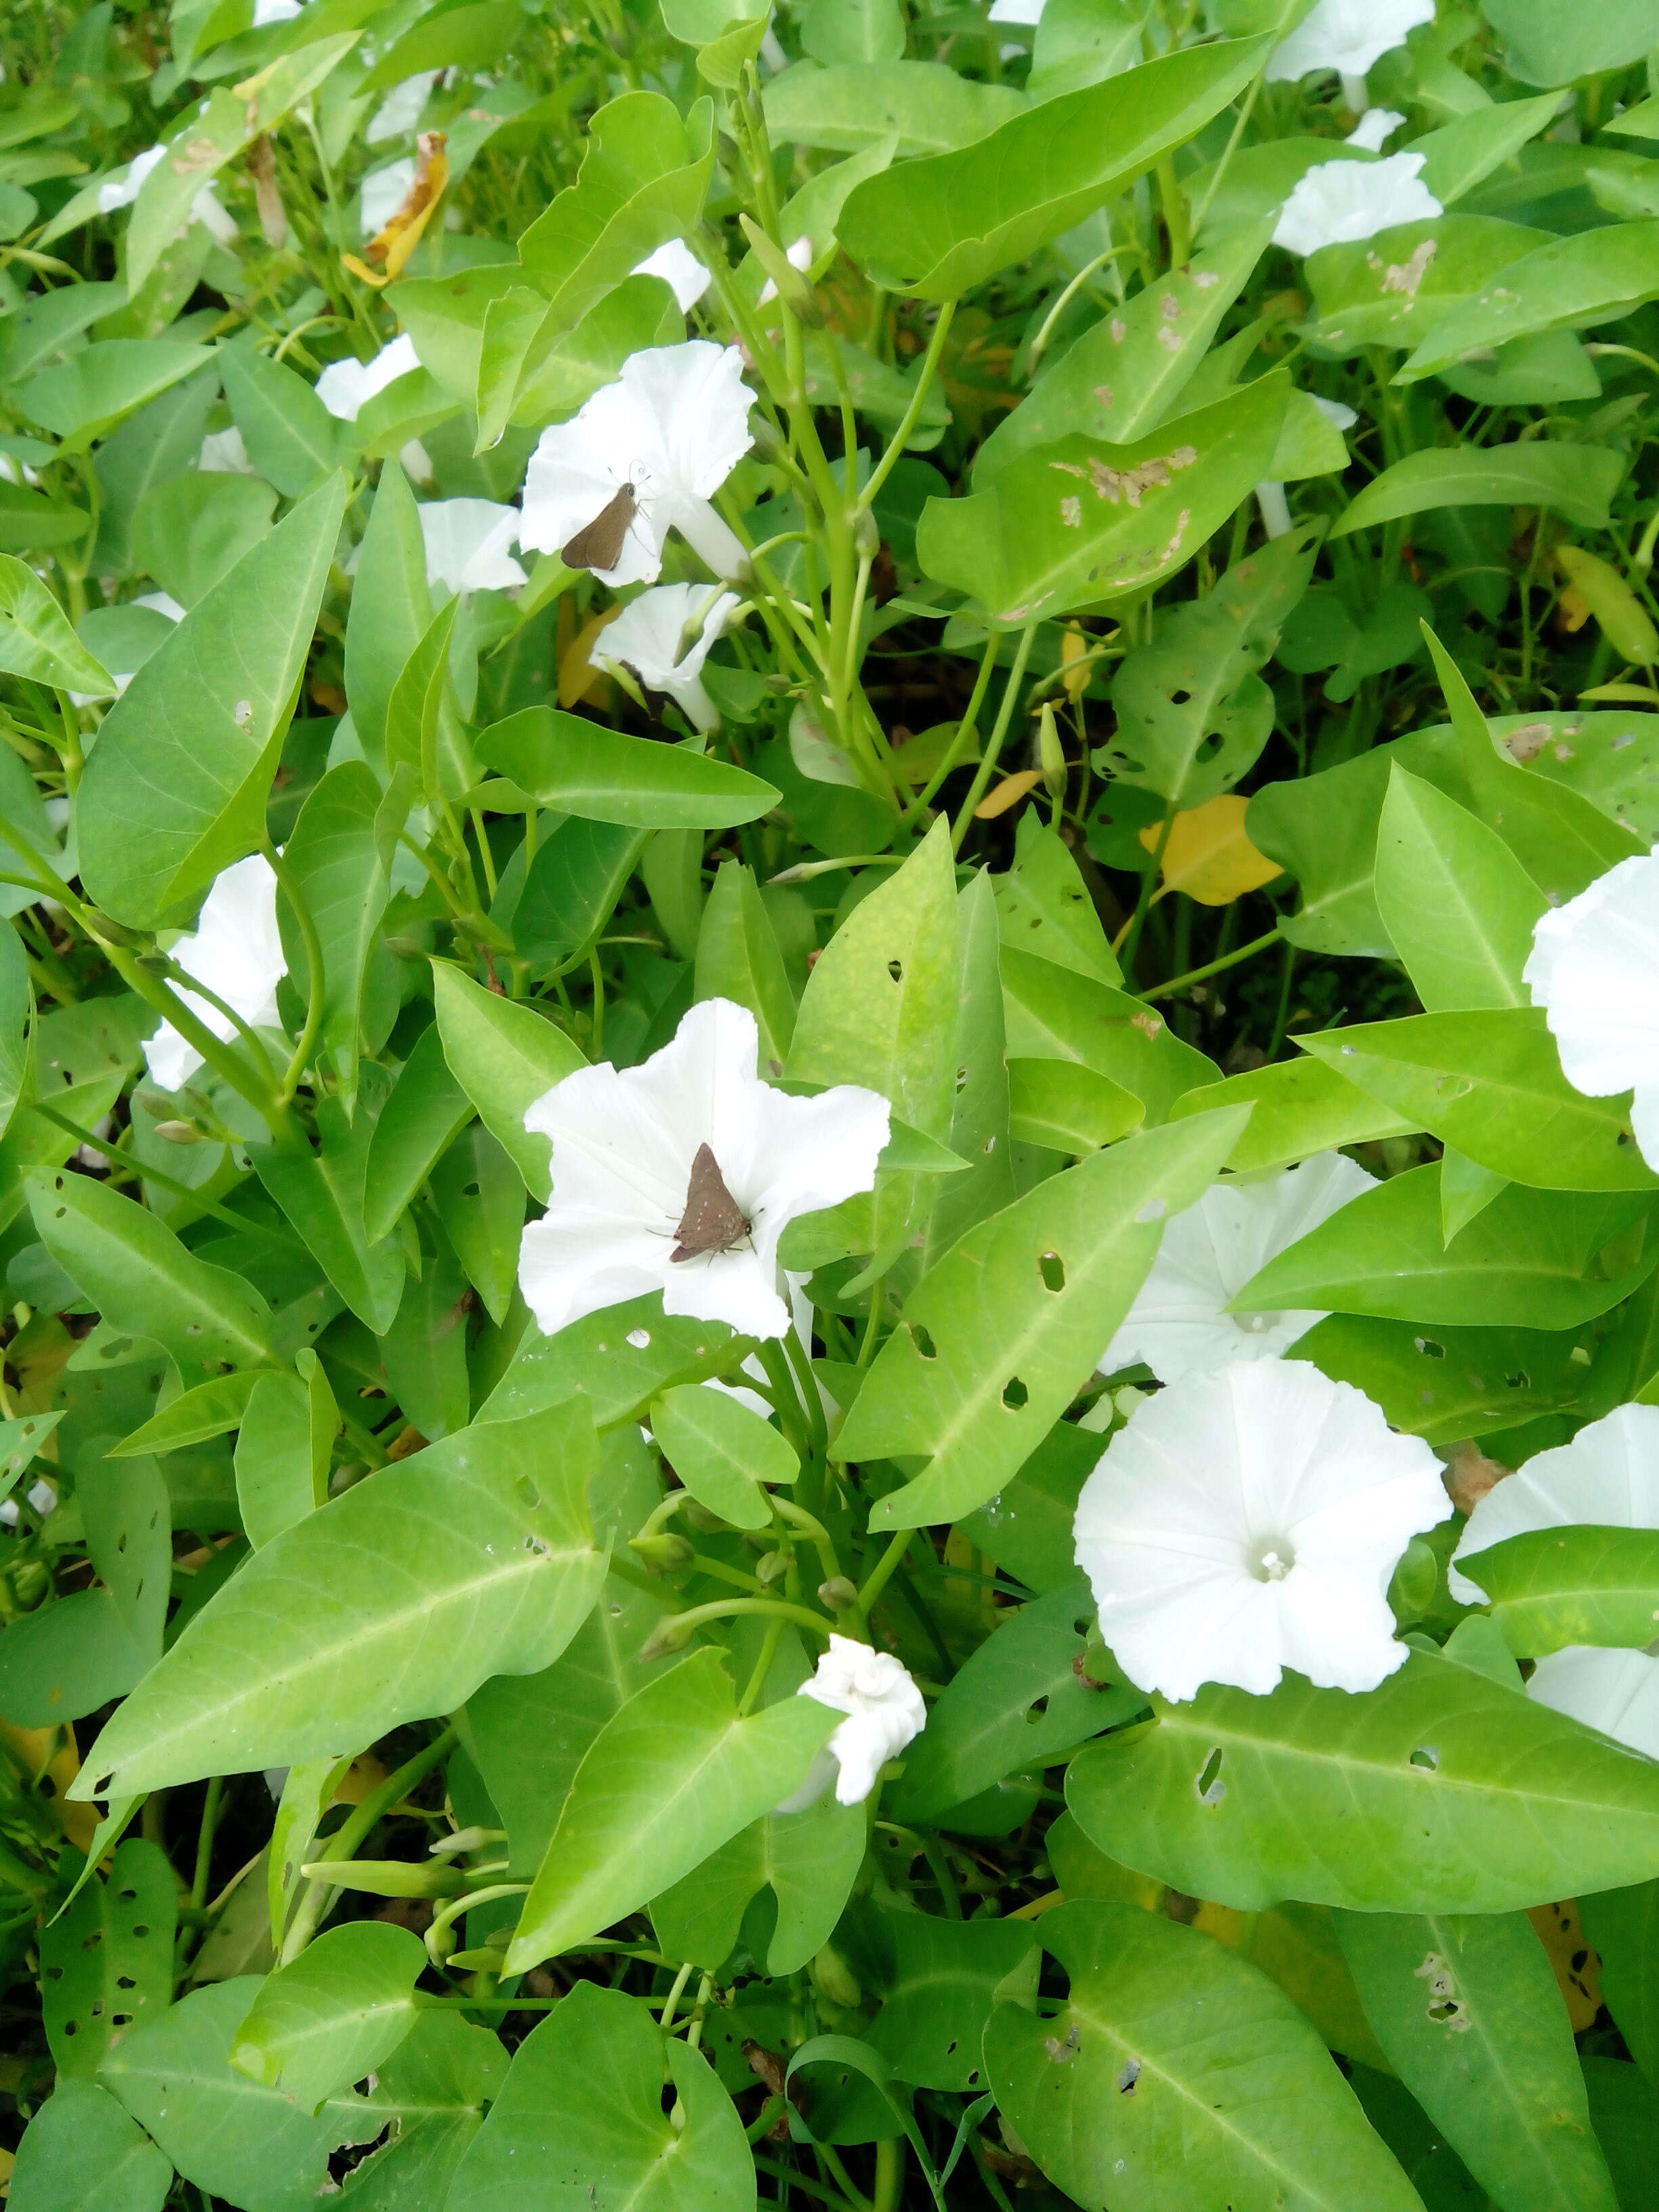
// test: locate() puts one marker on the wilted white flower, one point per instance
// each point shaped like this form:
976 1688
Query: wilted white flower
400 111
884 1711
1179 1322
1337 202
121 191
42 1498
236 950
1348 36
680 269
632 1153
223 453
1248 1521
650 636
1594 967
800 256
467 543
382 194
345 386
266 12
1606 1476
674 425
1374 128
1616 1691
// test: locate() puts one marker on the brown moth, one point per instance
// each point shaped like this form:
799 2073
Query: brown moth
599 543
712 1220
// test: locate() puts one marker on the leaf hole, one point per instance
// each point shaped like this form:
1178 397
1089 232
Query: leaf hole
1039 1711
1427 1758
926 1348
527 1492
1128 2075
1428 1347
895 969
1519 1381
1211 1788
1015 1395
1052 1268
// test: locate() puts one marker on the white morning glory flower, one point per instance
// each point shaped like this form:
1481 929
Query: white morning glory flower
628 1144
382 192
236 949
884 1711
345 386
223 453
1249 1520
649 637
1608 1477
1336 203
674 426
1348 36
400 111
1374 128
121 191
1616 1691
1594 967
468 542
1179 1322
680 269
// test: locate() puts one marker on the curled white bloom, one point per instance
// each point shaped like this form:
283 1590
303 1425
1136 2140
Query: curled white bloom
884 1711
345 386
1017 11
1338 414
664 636
223 453
468 542
400 111
674 425
382 194
1607 1476
266 12
1348 36
680 269
800 256
416 463
119 191
236 950
1337 202
626 1145
42 1498
1374 128
1594 967
1248 1521
1616 1691
1179 1323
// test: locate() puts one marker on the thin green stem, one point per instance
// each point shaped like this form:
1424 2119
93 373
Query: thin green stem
882 1573
316 973
210 1807
912 415
1214 967
342 1844
983 773
773 1608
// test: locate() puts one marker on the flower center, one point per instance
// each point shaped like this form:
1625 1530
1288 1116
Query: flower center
1258 1324
1271 1560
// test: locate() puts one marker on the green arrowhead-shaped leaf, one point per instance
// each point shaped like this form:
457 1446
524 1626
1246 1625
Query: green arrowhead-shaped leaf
1439 1791
1554 1587
333 2013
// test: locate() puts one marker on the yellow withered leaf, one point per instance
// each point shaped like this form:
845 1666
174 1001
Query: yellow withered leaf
1208 855
384 257
1597 585
1009 792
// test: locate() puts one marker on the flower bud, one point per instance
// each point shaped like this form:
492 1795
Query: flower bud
772 1567
666 1552
835 1979
837 1595
1051 754
178 1132
670 1635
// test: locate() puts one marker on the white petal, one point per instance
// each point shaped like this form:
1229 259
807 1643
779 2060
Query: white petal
1179 1323
266 12
680 269
884 1712
1338 202
1017 11
223 453
1616 1691
1374 128
649 637
466 544
121 192
1593 968
1250 1519
400 111
1607 1476
345 385
1348 36
236 950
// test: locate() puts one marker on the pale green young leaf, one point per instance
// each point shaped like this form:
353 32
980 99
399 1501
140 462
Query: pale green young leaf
1506 1802
426 1111
191 532
852 107
722 1451
1466 1189
504 1056
738 957
1043 907
1555 1587
1176 2070
998 1337
390 608
479 1195
1458 906
1468 2011
84 397
281 1473
666 1781
291 438
1053 1014
809 1860
338 860
391 1603
1300 1106
1568 284
576 766
36 639
320 1193
1575 482
333 2013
